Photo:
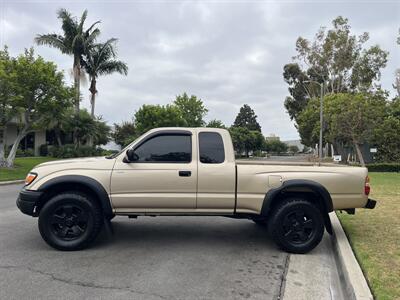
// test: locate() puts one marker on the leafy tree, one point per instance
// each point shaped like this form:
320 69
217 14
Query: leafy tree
8 97
396 84
247 118
293 149
192 109
308 123
386 134
60 119
336 57
75 40
245 140
353 117
215 124
153 116
40 89
89 129
100 60
295 78
349 119
124 134
275 146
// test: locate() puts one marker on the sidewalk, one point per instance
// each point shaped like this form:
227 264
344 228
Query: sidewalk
330 271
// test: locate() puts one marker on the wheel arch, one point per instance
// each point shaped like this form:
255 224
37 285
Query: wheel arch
310 190
76 183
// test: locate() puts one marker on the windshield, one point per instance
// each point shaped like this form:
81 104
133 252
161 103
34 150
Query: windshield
124 149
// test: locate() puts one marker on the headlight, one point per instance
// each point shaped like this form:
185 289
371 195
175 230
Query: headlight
30 177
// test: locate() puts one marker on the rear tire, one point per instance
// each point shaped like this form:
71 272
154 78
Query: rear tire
70 221
296 225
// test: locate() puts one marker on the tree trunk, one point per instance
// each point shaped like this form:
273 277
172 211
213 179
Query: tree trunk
14 148
58 135
3 146
93 92
359 153
77 83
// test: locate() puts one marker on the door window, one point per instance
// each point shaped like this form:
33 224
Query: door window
168 148
211 148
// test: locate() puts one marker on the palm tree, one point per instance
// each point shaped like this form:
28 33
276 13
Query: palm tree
100 60
75 41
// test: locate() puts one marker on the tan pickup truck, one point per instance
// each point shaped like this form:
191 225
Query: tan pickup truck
189 171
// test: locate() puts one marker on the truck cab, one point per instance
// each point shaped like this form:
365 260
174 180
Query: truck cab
176 171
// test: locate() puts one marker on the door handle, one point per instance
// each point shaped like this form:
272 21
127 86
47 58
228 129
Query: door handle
185 173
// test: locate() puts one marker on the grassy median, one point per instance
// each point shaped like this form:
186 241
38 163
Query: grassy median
375 236
22 166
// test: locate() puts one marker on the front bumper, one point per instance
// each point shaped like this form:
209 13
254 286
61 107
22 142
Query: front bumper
27 201
370 204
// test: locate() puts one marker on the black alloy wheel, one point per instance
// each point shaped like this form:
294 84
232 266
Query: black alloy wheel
296 225
70 221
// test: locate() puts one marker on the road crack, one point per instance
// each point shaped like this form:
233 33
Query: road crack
283 278
81 284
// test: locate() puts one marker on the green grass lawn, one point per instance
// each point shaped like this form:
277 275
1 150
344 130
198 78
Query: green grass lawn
375 236
22 166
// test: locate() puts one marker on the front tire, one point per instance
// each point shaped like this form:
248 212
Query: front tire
70 221
260 222
296 225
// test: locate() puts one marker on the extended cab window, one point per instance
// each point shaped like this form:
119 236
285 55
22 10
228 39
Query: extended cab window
167 148
211 148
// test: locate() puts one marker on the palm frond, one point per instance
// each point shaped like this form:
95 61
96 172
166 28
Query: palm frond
53 40
69 24
110 45
92 26
113 66
83 19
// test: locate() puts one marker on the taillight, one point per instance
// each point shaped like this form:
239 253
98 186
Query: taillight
367 187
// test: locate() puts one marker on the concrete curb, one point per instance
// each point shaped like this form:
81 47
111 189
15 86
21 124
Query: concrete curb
352 278
12 182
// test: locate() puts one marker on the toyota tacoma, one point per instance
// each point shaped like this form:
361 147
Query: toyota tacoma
189 171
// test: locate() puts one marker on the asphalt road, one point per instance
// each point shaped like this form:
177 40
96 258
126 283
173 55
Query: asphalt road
147 258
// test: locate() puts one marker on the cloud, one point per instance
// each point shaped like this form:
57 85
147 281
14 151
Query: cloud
228 53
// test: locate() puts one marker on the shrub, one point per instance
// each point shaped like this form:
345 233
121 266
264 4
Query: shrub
43 150
69 151
25 153
20 153
384 167
259 153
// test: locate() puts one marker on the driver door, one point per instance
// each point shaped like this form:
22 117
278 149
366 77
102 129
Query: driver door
163 177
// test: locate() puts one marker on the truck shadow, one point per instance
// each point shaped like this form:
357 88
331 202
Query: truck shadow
185 231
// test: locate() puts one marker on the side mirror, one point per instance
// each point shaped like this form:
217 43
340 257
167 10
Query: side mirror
130 156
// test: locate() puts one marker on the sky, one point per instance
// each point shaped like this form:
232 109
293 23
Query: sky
228 53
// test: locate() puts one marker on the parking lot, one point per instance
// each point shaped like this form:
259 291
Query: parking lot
146 258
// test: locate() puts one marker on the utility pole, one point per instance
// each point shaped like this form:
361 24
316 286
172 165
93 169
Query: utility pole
321 119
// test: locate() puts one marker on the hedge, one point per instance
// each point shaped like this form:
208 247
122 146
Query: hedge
70 151
384 167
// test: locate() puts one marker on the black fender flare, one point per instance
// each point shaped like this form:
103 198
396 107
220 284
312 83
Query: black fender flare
317 188
89 183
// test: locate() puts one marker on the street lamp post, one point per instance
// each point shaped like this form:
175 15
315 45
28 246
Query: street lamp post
321 119
321 115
